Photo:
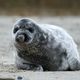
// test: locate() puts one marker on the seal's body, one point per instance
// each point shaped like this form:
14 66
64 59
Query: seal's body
44 47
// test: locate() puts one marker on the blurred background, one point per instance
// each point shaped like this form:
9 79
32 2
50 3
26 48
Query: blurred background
40 7
63 13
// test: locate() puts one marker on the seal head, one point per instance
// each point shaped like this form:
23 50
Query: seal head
24 31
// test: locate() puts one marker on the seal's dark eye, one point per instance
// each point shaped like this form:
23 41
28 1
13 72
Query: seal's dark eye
31 30
15 30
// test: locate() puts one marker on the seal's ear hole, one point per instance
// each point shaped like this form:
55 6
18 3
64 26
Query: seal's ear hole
31 30
15 29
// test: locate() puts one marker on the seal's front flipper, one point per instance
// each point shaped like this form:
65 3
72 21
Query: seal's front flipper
29 66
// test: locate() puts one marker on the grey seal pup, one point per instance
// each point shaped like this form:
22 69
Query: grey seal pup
44 47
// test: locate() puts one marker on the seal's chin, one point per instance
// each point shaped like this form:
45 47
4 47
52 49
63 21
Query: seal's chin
22 38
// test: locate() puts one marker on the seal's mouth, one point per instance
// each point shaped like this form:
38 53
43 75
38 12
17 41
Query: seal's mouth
22 37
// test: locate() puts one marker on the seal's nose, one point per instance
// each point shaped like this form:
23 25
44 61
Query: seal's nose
20 38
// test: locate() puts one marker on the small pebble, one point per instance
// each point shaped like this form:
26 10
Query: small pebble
21 78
